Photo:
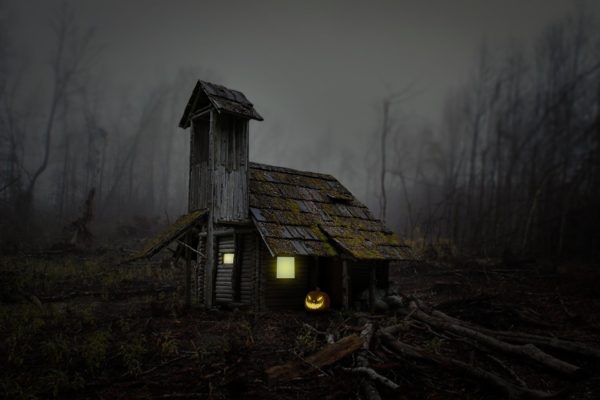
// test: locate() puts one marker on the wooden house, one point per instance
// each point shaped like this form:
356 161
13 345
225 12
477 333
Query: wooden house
263 236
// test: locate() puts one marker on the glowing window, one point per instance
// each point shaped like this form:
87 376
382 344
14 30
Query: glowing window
286 268
227 258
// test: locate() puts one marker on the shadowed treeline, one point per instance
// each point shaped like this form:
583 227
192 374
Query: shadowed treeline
514 164
74 133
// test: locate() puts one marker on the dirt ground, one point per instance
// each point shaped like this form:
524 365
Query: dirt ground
81 326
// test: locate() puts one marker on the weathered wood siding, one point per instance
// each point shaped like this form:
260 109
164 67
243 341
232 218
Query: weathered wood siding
200 264
223 281
284 294
231 168
229 179
200 177
244 247
248 268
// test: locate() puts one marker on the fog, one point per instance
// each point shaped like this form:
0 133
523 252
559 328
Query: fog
318 72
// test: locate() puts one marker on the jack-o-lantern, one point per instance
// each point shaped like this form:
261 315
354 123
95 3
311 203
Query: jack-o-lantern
316 300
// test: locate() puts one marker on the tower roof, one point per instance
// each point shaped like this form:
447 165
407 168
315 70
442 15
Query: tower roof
226 100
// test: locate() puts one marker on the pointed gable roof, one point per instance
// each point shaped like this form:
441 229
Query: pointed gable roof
221 98
305 213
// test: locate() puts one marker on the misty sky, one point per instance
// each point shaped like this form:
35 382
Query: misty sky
315 70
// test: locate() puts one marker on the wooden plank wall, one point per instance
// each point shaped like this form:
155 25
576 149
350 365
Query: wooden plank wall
284 294
230 177
231 168
223 283
199 182
248 267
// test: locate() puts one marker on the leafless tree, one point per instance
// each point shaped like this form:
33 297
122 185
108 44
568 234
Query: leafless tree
67 63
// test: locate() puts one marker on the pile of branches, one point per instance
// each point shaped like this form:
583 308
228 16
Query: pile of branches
375 347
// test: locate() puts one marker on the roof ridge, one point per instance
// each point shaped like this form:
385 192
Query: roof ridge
225 88
292 171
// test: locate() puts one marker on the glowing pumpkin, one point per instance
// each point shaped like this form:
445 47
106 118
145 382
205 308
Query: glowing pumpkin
316 300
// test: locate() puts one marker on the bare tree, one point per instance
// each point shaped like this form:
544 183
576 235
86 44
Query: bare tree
68 61
386 129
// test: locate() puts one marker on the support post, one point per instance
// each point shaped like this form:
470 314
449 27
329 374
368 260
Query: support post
188 273
236 276
345 285
372 285
258 294
209 270
210 263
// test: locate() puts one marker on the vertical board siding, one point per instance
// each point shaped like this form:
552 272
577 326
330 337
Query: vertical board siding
231 194
229 179
199 182
231 168
284 294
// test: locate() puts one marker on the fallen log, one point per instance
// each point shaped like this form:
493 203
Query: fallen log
367 334
456 366
526 350
370 372
525 338
328 336
328 355
369 391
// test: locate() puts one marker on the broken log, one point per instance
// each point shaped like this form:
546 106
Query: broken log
526 350
370 372
456 366
525 338
369 391
328 336
328 355
367 334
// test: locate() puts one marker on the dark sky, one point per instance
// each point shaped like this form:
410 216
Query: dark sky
315 70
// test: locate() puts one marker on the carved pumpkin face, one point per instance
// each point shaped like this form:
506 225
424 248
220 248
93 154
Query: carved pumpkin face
316 301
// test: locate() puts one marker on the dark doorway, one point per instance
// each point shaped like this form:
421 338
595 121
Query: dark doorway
329 279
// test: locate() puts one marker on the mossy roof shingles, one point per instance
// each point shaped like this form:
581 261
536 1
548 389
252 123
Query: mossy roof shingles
170 233
306 213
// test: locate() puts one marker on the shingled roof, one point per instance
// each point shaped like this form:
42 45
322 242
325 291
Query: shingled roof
169 234
305 213
221 98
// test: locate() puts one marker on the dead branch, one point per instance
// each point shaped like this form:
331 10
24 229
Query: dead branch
528 338
367 334
328 355
369 391
328 336
455 366
508 369
373 376
526 350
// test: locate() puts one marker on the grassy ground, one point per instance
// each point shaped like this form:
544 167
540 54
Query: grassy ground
80 326
83 327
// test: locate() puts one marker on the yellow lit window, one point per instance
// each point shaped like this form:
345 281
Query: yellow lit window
286 268
227 258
